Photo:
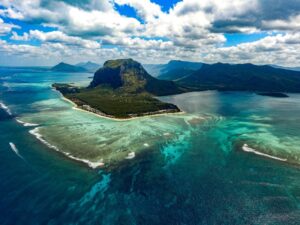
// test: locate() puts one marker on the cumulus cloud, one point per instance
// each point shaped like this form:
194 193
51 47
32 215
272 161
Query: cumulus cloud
97 23
146 9
191 29
55 36
281 49
94 18
291 23
6 28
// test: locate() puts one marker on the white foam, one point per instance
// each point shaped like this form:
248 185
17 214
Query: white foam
3 106
167 134
146 145
27 124
130 155
30 124
15 150
246 148
36 133
93 165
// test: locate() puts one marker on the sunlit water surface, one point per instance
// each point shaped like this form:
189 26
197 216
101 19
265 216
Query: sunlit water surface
231 158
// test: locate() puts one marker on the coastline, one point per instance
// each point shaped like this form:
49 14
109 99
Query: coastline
90 164
245 147
105 116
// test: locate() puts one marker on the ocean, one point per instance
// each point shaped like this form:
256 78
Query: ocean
230 158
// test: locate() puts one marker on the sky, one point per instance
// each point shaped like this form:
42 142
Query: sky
45 32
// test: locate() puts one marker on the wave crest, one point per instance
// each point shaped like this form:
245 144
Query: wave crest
246 148
91 164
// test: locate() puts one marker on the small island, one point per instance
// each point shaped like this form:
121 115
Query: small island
273 94
122 89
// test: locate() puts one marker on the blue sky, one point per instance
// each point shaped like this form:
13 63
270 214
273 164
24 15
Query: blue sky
40 32
238 38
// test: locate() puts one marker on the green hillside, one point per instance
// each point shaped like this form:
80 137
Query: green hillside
122 89
243 77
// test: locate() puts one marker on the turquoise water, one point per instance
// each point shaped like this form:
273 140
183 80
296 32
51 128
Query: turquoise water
231 158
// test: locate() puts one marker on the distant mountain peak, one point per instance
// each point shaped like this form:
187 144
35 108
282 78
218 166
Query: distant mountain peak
175 61
65 67
62 63
89 66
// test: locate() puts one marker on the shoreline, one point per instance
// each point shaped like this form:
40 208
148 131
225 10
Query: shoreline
105 116
100 164
86 162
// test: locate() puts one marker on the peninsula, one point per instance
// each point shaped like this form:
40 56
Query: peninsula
122 89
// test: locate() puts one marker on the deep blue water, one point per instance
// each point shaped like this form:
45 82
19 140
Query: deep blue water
198 176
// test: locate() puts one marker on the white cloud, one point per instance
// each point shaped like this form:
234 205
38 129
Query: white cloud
6 28
11 13
16 37
98 18
191 30
293 23
146 9
56 36
281 49
97 23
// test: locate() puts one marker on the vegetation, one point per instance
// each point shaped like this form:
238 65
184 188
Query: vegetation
176 74
132 78
242 77
122 89
115 103
159 70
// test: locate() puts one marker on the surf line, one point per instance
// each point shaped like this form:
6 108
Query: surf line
93 165
246 148
15 150
3 106
27 124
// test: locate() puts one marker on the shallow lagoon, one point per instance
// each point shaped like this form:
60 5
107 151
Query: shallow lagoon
188 168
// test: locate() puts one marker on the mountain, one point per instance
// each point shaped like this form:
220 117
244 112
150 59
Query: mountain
89 66
165 71
243 77
286 68
131 77
154 69
64 67
122 89
176 74
178 64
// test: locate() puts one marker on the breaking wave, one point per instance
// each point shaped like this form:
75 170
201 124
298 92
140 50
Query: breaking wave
246 148
91 164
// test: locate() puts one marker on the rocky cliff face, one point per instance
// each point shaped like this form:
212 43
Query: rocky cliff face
131 77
